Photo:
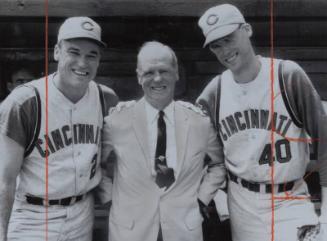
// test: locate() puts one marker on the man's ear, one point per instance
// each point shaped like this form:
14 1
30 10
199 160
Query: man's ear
139 80
56 52
138 75
177 76
248 28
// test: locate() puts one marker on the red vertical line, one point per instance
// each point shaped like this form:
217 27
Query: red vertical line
272 110
46 119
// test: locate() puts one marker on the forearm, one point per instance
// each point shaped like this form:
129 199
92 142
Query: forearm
212 181
323 208
7 192
103 191
11 160
215 175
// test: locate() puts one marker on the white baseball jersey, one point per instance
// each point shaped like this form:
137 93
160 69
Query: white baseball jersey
245 123
73 138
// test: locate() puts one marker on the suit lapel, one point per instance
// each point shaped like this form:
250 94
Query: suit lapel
140 129
181 132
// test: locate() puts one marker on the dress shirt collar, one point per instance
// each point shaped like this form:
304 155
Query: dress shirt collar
153 113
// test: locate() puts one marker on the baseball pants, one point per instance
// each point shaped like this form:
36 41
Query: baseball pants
251 214
65 223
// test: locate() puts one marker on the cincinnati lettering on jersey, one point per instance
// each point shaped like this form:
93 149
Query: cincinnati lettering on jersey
253 119
64 136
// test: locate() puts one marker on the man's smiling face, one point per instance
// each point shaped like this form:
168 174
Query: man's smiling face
78 60
157 75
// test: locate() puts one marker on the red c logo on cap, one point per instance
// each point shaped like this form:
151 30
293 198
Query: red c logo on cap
212 19
88 26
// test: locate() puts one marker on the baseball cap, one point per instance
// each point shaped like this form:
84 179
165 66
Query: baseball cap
80 27
219 21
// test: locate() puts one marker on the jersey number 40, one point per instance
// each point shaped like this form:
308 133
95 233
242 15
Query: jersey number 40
282 150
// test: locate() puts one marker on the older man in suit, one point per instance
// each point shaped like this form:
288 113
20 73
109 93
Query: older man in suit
160 144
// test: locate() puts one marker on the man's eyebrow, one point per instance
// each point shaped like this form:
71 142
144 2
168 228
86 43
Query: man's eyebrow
95 52
228 36
73 48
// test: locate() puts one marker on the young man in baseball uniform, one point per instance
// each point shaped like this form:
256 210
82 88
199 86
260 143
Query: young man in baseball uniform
53 200
239 103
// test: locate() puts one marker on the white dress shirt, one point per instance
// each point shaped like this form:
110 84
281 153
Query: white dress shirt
152 115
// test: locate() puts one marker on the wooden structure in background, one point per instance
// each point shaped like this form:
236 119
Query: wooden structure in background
300 34
106 8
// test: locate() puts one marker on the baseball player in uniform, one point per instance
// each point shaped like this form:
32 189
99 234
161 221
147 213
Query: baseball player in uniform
239 104
57 205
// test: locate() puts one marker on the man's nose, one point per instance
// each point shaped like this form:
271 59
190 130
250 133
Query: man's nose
157 76
82 62
225 49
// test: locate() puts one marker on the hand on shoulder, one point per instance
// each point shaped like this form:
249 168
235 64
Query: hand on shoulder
192 107
121 106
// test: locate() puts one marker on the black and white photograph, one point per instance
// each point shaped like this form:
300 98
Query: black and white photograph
163 120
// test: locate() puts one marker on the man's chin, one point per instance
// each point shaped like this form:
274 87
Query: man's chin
80 79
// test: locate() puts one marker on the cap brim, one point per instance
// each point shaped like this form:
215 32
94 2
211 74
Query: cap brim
102 44
220 32
98 42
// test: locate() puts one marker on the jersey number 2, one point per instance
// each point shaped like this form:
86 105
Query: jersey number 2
283 152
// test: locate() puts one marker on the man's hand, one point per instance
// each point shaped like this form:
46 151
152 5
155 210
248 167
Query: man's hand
221 205
122 105
309 233
195 108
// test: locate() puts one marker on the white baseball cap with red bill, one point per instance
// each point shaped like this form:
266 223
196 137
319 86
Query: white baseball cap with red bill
219 21
80 27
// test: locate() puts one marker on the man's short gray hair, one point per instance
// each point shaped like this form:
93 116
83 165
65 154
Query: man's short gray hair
150 44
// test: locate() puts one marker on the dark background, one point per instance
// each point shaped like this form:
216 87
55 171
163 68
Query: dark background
300 34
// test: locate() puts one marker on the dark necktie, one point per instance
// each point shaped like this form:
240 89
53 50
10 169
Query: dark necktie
165 175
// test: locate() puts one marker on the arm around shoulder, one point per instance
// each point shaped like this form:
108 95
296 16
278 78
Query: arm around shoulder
110 98
207 100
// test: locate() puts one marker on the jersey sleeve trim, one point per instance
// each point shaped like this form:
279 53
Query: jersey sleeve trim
37 127
110 99
285 96
101 100
17 115
209 99
217 100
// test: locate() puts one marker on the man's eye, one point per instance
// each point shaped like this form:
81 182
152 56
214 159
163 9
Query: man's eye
73 53
214 46
91 56
227 40
148 74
